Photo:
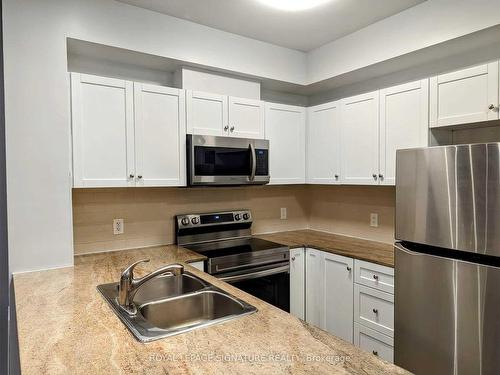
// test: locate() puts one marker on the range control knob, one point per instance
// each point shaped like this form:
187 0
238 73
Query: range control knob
195 220
246 216
237 217
185 221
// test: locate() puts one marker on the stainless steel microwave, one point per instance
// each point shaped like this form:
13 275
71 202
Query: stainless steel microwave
213 160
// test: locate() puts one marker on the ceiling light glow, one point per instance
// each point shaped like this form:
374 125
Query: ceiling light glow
294 5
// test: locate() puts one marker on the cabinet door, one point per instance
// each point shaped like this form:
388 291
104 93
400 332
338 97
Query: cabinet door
314 291
207 114
297 282
246 118
323 148
338 296
464 96
160 133
404 122
285 130
359 139
103 131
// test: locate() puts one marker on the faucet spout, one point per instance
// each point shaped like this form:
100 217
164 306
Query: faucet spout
128 285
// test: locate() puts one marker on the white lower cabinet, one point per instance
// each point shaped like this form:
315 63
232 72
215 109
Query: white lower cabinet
329 293
374 342
297 282
337 295
314 300
351 299
374 309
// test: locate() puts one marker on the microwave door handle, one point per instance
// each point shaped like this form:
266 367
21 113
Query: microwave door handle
254 162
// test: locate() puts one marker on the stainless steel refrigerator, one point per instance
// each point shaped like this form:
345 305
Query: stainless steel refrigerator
447 260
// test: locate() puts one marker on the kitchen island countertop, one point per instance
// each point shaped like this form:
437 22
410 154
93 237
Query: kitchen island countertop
66 327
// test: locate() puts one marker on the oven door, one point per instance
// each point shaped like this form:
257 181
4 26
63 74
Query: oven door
270 283
227 161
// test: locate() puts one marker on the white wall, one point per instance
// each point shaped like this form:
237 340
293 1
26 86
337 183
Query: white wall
191 79
37 101
425 25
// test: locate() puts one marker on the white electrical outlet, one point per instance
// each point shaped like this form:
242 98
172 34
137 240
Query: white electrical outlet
374 220
118 226
283 213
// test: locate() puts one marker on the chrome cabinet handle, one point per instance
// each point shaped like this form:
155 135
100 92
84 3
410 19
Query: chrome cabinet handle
139 177
226 128
375 311
293 258
374 176
131 175
375 352
375 277
336 176
491 107
349 269
231 129
381 176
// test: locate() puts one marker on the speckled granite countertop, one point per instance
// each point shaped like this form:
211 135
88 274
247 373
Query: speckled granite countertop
66 327
371 251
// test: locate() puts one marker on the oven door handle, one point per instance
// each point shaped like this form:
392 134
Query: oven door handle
255 275
254 162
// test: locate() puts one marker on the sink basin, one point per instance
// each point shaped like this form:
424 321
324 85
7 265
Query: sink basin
191 310
168 305
166 286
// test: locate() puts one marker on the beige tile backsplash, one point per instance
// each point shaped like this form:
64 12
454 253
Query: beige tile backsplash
346 210
148 213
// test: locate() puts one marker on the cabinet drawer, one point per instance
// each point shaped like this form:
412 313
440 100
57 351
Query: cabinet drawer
374 342
374 309
374 275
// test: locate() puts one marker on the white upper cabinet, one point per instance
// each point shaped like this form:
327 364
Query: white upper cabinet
404 122
160 135
323 146
103 131
285 130
213 114
207 113
126 134
465 96
246 118
359 139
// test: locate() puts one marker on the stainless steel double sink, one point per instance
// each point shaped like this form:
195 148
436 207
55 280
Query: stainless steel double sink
168 305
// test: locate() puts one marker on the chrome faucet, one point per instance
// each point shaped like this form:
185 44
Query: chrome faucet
128 285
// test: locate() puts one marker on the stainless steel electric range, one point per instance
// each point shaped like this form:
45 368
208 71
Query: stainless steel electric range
256 266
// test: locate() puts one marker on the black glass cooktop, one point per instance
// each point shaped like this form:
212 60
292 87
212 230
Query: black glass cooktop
230 247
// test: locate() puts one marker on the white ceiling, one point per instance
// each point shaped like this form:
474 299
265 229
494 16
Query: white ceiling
301 30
